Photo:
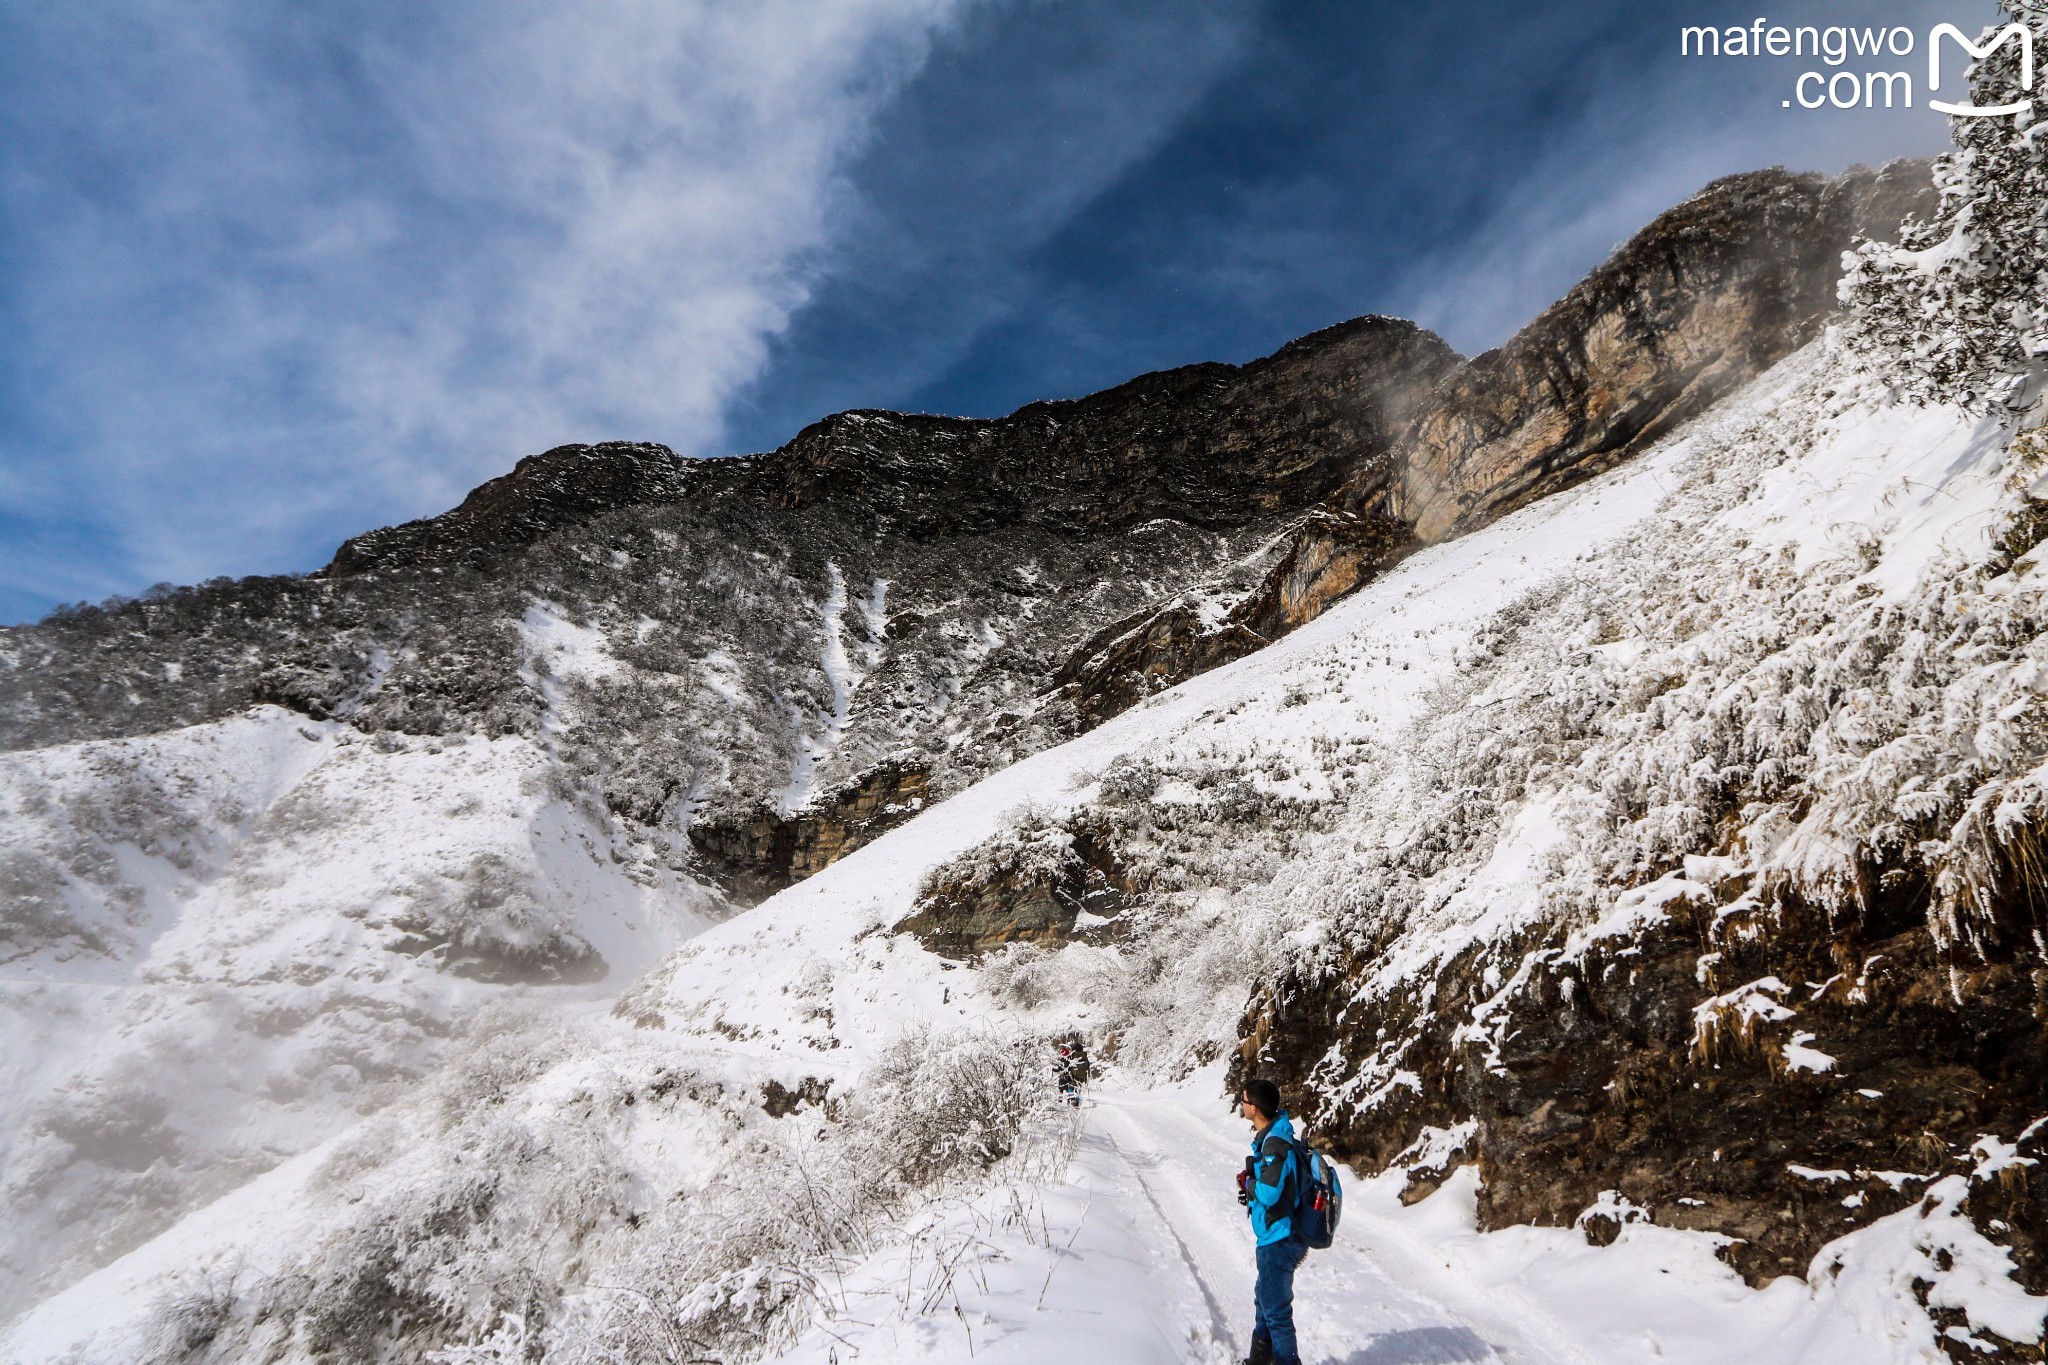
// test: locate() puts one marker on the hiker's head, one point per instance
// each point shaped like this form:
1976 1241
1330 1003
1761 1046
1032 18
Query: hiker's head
1262 1096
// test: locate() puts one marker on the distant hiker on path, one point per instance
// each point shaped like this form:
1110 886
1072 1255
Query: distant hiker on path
1070 1069
1267 1188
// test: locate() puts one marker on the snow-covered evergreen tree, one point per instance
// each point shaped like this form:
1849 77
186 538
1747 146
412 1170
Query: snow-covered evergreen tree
1957 310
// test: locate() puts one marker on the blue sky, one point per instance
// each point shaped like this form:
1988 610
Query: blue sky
271 275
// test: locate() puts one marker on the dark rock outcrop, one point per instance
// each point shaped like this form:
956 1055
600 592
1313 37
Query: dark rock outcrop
1128 660
1657 1067
1319 560
543 493
761 851
1033 889
1327 555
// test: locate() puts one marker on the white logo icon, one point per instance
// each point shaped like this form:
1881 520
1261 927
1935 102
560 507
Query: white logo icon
2010 31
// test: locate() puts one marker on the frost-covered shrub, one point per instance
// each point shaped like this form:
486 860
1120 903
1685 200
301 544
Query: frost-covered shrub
441 1255
936 1103
738 1271
510 1343
1130 779
493 925
62 882
1165 993
1024 975
499 1217
1183 844
1182 984
1961 302
189 1315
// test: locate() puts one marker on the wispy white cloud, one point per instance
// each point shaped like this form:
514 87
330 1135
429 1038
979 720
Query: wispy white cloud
275 269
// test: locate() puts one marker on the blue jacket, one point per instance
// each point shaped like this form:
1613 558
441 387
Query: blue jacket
1274 1179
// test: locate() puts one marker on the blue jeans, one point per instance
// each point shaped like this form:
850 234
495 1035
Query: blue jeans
1273 1298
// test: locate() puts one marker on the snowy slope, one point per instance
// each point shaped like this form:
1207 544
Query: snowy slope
603 1177
252 930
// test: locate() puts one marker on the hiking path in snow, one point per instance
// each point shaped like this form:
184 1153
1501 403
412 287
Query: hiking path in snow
1144 1255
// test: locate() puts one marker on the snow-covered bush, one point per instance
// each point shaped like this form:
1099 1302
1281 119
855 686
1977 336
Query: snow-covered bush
1959 307
1164 994
500 1217
735 1273
936 1103
70 817
490 921
1025 975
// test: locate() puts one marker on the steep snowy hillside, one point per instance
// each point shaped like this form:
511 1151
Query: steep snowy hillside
629 916
1471 804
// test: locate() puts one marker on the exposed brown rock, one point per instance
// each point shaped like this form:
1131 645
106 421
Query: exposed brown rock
1703 300
761 851
1604 1078
1014 907
1128 660
1322 558
1328 554
1031 890
1700 301
876 804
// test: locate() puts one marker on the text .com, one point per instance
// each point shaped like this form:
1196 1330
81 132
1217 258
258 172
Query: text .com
1835 46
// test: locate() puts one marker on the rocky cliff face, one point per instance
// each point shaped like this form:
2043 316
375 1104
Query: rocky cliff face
1703 299
1687 1083
743 651
755 652
1213 446
762 850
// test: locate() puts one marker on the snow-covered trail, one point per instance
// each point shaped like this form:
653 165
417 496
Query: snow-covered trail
1375 1296
1138 1254
1143 1256
1417 1285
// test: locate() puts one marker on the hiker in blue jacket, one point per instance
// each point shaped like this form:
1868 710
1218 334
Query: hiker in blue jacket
1267 1188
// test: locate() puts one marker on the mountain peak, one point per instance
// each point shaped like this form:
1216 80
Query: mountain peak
543 492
